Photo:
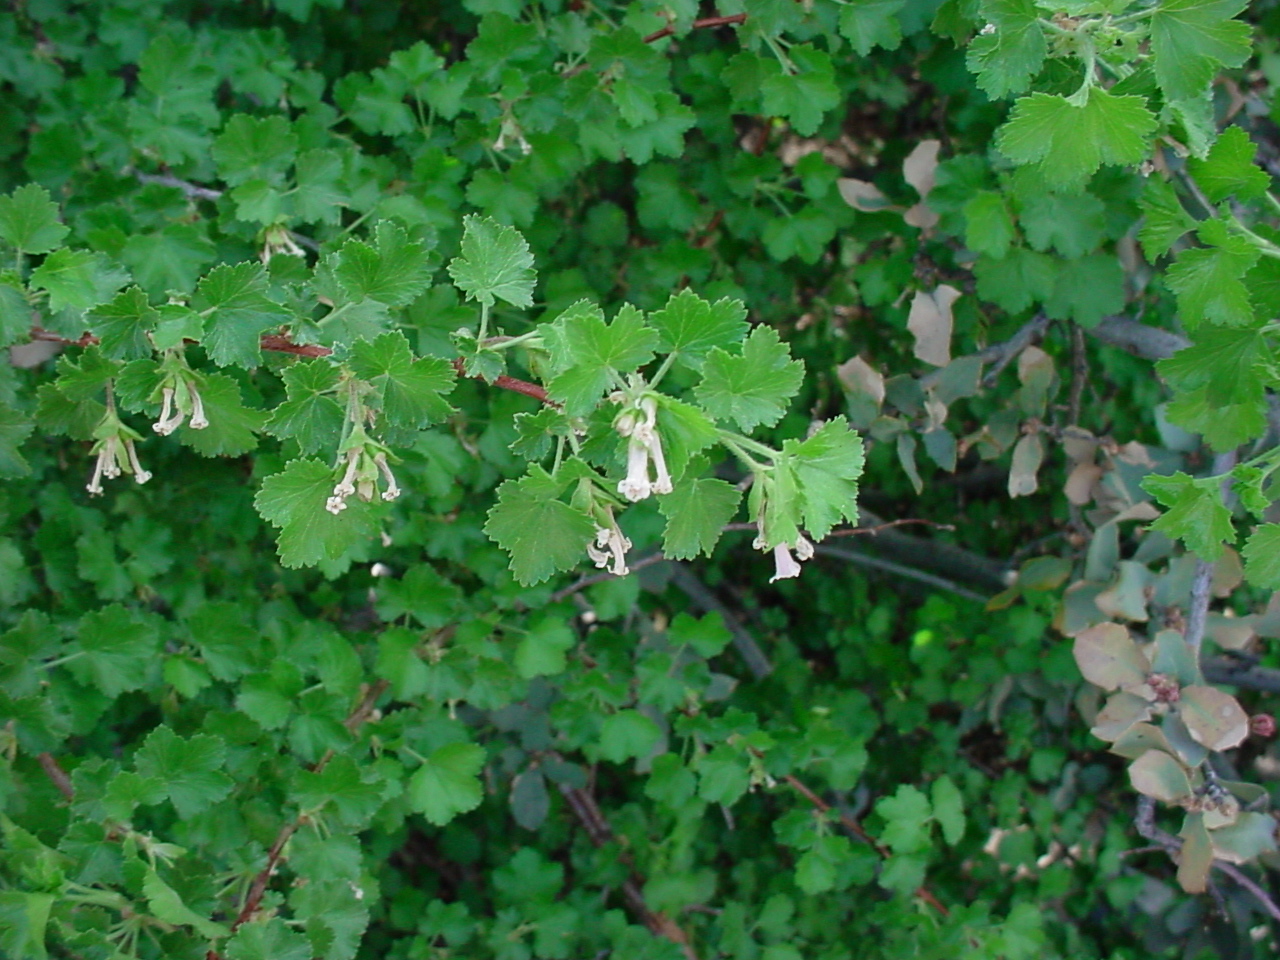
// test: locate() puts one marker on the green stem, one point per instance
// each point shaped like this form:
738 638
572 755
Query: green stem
730 441
662 370
1133 17
1265 246
496 343
49 665
747 443
484 321
1271 199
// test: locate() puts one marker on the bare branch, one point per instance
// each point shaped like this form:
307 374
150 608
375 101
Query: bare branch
1150 343
53 770
191 190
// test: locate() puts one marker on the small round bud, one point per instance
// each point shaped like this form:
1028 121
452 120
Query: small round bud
1262 725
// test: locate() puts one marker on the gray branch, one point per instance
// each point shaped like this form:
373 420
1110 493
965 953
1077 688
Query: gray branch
1150 343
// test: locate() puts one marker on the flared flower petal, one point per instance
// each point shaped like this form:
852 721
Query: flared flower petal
785 565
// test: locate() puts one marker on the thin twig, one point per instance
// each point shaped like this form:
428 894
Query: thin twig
704 23
592 579
1145 821
191 190
53 770
1079 374
901 570
1198 611
1149 343
600 833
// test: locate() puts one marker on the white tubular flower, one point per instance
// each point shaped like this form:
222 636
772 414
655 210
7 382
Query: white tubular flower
169 420
105 466
784 565
335 504
392 490
648 431
140 475
636 486
804 549
610 546
198 420
346 487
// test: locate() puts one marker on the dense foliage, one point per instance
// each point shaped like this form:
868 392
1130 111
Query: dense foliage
897 362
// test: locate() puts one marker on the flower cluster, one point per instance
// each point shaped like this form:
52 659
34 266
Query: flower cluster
639 426
116 454
180 400
365 461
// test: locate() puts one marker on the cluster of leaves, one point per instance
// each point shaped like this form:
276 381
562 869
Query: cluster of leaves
323 690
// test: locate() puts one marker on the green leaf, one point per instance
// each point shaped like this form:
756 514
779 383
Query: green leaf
541 651
1191 40
117 650
232 428
691 327
29 220
1072 224
294 500
542 534
907 815
77 280
167 906
1088 289
122 325
15 314
697 511
233 299
1229 169
1262 557
1017 280
1194 512
802 97
753 388
267 939
341 785
805 234
627 735
819 867
23 919
722 776
1208 280
988 224
1164 218
948 808
252 148
1068 143
1007 58
587 353
495 264
310 415
447 783
170 259
14 430
408 390
189 767
708 635
392 270
826 468
868 24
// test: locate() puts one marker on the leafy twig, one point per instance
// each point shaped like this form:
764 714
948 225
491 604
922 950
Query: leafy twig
704 23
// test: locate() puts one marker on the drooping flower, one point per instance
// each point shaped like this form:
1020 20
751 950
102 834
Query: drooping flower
178 402
610 546
786 566
363 468
635 486
116 455
644 446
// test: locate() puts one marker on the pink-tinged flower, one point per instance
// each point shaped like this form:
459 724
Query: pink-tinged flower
198 420
784 565
105 466
346 487
169 421
175 406
140 475
392 490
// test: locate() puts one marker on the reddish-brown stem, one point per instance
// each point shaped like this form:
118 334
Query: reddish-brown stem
53 770
702 24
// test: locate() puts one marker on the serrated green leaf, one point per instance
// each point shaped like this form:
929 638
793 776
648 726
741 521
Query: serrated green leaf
868 24
948 808
690 327
392 270
23 919
447 783
988 224
170 259
1006 58
29 220
826 468
232 428
189 767
1088 289
233 299
542 534
907 815
252 148
77 280
1192 40
14 430
1164 218
167 906
697 510
627 735
294 500
122 325
1208 280
495 264
408 389
310 415
1229 169
1072 224
1194 512
117 650
1017 280
541 651
341 787
1069 142
267 939
752 388
805 96
587 353
1262 557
